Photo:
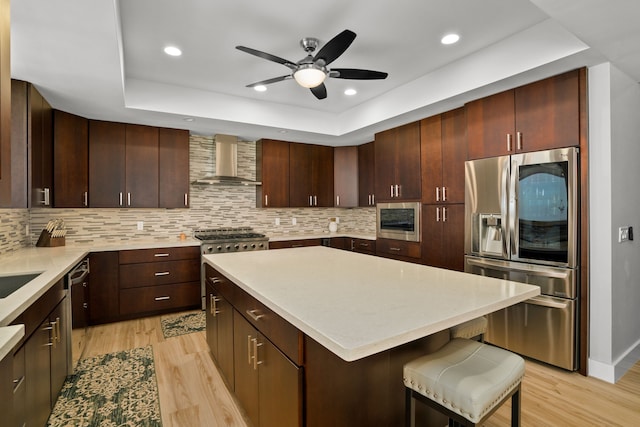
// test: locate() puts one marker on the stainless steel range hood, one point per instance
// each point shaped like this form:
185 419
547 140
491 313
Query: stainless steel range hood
226 164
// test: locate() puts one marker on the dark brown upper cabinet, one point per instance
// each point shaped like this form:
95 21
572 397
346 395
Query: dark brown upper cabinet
366 175
272 169
70 160
311 175
173 157
345 176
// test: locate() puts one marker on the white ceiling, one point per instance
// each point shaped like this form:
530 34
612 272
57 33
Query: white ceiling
103 59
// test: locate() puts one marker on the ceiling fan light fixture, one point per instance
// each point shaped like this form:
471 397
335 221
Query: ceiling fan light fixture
309 76
260 88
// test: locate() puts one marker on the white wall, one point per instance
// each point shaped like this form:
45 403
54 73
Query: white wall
614 178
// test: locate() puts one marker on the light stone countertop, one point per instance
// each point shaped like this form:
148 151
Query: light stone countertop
53 263
319 235
357 305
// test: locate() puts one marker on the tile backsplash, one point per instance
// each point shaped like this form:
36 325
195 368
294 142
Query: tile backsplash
210 207
13 227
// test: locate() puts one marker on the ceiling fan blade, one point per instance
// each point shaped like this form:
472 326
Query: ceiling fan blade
269 81
356 74
335 47
319 91
267 56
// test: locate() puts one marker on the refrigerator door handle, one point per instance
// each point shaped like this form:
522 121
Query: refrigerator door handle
513 207
504 208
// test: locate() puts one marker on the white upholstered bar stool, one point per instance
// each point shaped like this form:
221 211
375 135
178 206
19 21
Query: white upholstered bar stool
465 380
473 328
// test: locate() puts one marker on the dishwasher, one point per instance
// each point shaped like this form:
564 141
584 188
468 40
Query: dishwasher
77 283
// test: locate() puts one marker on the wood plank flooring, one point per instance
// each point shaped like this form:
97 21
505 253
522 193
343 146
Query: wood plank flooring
193 394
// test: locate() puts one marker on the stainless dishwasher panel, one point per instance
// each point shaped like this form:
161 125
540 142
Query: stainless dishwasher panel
541 328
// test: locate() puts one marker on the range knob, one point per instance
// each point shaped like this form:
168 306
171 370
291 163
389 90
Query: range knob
244 246
228 247
219 248
237 246
253 245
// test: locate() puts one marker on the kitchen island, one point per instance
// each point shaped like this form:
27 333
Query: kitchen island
359 319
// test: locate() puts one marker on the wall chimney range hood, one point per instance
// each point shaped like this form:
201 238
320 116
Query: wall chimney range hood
226 164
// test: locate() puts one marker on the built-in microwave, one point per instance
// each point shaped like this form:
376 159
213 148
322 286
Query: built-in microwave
399 221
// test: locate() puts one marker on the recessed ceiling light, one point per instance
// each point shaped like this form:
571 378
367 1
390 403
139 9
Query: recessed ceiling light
188 119
172 51
450 39
350 92
260 88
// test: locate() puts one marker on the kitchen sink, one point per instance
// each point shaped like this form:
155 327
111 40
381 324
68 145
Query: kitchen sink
10 284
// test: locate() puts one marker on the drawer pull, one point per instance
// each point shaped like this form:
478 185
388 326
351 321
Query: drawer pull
162 298
160 255
215 279
162 273
254 316
395 249
17 384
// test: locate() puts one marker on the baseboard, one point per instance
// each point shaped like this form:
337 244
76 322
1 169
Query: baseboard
611 373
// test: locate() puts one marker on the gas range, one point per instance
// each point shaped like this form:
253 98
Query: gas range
222 240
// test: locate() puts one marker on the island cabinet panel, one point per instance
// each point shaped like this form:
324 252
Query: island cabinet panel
345 173
397 163
272 169
70 160
219 315
6 390
365 392
267 383
538 116
366 175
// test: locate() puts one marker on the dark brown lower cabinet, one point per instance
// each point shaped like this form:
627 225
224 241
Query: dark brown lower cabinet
19 389
38 375
443 236
104 305
219 315
267 383
299 243
6 389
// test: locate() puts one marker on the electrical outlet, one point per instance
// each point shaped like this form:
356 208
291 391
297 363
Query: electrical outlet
294 221
623 234
337 220
26 230
277 221
140 225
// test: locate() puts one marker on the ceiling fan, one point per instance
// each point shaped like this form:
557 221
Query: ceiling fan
311 71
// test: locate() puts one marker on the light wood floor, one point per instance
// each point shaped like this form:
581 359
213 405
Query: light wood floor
193 394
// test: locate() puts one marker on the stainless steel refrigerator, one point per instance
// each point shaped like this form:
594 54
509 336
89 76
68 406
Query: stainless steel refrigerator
522 224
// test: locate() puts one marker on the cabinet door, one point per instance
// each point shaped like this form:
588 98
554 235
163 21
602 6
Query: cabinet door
14 191
300 173
104 303
141 165
273 172
19 388
71 160
173 166
225 340
106 164
280 387
366 175
58 321
6 390
41 153
431 159
246 374
443 236
212 319
454 154
397 163
322 175
548 113
345 174
37 375
490 125
5 85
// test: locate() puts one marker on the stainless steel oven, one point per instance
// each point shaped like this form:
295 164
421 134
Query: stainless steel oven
399 221
77 289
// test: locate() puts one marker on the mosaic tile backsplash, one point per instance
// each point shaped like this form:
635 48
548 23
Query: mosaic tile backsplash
210 207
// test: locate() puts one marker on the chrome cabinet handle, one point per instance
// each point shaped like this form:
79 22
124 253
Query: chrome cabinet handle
58 333
310 200
85 200
373 199
186 199
437 214
395 249
397 190
214 307
120 200
337 200
444 194
391 190
444 214
249 349
509 142
256 362
162 298
162 273
215 279
17 384
519 140
254 316
266 200
437 194
161 255
128 199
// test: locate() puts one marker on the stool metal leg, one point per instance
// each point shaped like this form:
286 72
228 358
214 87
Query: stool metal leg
515 408
410 408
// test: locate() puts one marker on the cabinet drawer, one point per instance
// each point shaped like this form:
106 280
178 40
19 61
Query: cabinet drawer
221 284
159 254
364 246
280 332
283 244
159 273
159 298
38 311
398 248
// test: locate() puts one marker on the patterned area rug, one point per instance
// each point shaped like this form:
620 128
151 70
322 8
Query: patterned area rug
174 325
116 389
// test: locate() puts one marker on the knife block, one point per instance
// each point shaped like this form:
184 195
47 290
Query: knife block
45 240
